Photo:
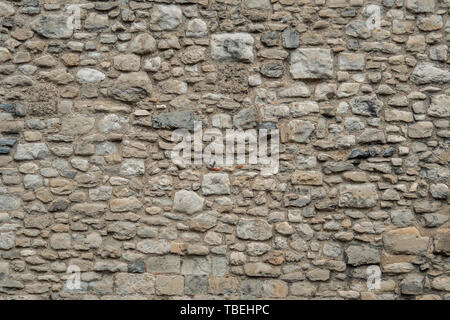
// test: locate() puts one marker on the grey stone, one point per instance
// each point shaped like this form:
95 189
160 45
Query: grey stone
31 151
363 254
257 4
196 28
232 47
351 61
215 184
203 222
291 39
164 264
52 26
299 130
440 106
143 43
187 202
368 106
245 118
358 196
196 266
130 87
311 63
273 69
132 167
87 75
9 202
253 229
358 29
60 241
153 246
412 284
7 240
296 90
420 6
426 73
174 120
165 17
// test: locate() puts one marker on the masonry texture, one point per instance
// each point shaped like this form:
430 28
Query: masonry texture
88 105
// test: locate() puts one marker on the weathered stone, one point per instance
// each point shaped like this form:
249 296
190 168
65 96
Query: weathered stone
165 17
311 64
421 129
259 269
143 43
215 184
312 178
127 62
131 87
203 222
421 6
196 28
77 124
299 130
351 61
412 284
132 167
187 202
87 75
362 254
31 151
253 229
153 246
52 26
358 196
442 241
128 284
368 106
405 241
125 204
7 240
61 241
426 73
440 106
174 120
232 47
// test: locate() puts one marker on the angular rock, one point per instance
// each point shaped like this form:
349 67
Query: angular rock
368 106
232 47
31 151
165 17
311 63
215 184
130 87
426 73
299 131
196 28
440 106
351 62
203 222
77 125
52 26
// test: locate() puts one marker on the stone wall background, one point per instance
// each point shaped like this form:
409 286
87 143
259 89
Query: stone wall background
86 117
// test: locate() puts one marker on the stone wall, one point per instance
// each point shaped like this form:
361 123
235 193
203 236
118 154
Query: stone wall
358 89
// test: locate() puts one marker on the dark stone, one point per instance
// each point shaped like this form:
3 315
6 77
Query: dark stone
7 142
68 174
58 205
4 150
389 152
270 39
174 120
196 284
272 69
358 154
136 267
291 39
8 107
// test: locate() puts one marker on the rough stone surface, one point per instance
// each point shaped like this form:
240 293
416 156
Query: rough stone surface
356 177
